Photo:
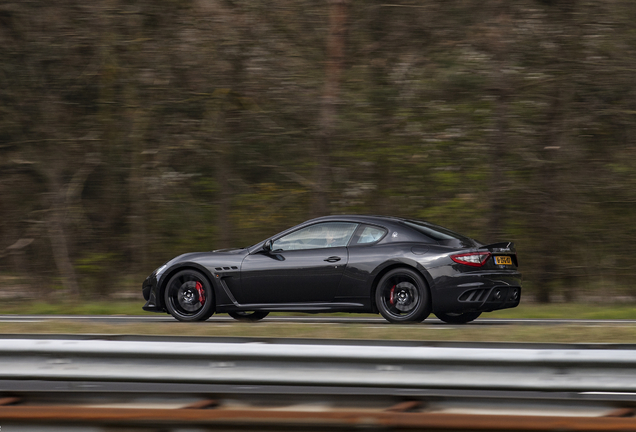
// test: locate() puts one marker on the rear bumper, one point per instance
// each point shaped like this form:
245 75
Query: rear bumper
477 292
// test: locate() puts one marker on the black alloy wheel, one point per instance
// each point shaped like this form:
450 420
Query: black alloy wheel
458 318
248 315
188 296
402 296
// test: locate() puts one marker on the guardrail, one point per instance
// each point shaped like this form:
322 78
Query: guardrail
593 370
322 371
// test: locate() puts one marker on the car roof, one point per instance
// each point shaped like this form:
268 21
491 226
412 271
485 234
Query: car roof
372 219
358 218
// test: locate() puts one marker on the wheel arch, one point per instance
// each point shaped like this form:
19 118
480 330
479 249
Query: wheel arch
411 265
176 269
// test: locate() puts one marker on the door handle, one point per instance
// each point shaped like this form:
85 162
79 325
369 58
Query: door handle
333 259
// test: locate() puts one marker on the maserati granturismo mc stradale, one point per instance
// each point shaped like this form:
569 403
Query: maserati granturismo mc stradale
403 269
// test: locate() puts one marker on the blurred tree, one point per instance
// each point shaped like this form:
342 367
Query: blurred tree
131 131
334 64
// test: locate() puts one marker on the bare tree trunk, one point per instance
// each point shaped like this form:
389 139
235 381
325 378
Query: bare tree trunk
65 206
228 125
500 138
224 209
498 150
547 222
57 235
385 106
336 42
216 133
552 221
138 243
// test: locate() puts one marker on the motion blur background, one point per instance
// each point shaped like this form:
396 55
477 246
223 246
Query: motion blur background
132 131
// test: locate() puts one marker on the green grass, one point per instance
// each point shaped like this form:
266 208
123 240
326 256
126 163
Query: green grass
568 311
566 333
106 307
527 310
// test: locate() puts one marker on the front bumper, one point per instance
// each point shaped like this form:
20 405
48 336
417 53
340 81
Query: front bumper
477 292
149 291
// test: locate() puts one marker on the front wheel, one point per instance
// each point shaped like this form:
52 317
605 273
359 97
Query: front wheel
248 316
402 296
188 296
458 318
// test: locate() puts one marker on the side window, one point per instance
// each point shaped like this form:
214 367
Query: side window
370 235
322 235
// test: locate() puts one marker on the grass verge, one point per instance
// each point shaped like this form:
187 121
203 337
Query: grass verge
525 310
601 333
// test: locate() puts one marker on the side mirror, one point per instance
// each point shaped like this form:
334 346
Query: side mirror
269 244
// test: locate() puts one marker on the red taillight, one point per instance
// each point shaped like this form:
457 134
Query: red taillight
473 259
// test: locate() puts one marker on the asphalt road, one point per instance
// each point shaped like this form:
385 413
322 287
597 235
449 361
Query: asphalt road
310 319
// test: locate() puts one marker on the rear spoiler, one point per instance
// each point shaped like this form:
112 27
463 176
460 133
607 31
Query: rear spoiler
500 247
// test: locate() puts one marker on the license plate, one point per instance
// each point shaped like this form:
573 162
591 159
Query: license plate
503 260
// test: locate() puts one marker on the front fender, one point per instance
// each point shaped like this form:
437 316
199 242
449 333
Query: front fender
162 282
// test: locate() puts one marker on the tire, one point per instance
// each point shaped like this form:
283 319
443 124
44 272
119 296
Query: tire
458 318
248 316
188 296
402 296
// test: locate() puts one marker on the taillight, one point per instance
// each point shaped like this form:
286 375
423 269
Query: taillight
473 259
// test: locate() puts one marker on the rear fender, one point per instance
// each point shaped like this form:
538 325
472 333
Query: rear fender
387 266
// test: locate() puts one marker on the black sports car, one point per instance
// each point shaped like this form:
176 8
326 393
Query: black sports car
404 269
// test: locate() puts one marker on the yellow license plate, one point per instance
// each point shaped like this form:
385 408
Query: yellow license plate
503 260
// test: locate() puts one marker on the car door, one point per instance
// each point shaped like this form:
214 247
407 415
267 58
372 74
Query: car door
304 266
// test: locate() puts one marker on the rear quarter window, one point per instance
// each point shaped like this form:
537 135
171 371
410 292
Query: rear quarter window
370 234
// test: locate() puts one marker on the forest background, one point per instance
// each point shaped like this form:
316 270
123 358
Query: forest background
132 131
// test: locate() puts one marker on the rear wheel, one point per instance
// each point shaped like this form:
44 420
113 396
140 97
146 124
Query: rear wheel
458 318
188 296
402 296
248 316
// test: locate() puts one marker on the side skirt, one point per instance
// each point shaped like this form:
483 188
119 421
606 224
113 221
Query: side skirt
295 307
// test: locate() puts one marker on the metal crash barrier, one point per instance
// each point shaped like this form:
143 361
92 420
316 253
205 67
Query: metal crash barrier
37 386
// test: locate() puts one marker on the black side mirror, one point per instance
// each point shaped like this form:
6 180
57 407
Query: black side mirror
269 244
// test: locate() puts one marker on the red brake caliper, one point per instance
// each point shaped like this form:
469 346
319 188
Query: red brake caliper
392 296
201 293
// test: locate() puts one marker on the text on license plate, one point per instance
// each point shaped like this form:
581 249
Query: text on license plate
503 260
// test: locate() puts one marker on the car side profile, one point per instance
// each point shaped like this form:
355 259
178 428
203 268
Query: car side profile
401 268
